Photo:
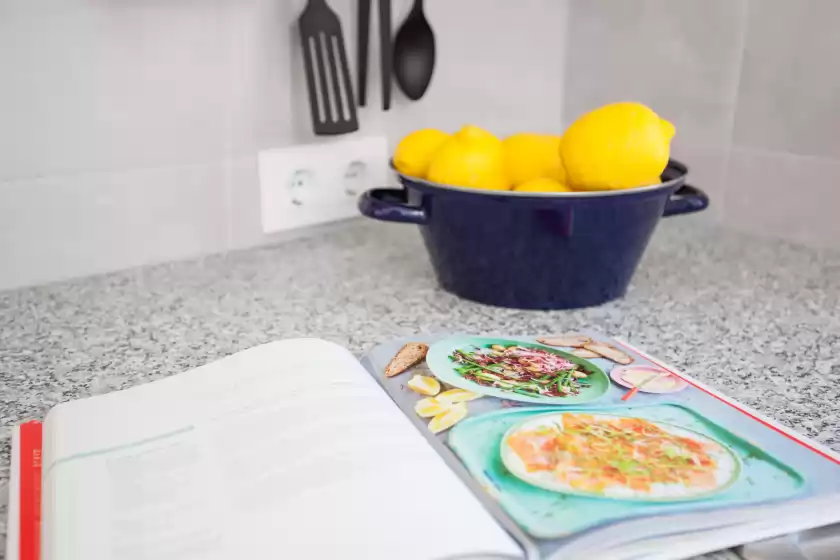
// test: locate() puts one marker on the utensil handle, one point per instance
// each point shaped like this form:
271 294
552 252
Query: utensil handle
362 49
385 51
390 205
629 395
686 200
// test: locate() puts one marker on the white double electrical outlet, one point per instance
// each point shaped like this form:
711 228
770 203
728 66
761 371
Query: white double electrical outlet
316 183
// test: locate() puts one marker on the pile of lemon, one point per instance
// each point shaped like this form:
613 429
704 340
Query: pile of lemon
617 146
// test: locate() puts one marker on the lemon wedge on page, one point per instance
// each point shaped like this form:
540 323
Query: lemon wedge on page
424 385
447 419
453 396
430 406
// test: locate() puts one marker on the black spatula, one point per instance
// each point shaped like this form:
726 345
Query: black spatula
330 93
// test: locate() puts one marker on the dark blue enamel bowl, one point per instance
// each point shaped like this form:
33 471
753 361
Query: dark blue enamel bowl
535 250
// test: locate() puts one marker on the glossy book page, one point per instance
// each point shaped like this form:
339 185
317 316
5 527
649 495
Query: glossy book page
577 443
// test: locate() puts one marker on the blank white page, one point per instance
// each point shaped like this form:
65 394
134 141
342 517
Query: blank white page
289 450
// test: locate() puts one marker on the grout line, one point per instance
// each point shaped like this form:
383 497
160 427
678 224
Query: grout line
228 202
739 65
567 9
749 150
11 182
232 35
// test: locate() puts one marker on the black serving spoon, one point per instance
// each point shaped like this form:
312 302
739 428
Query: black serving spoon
414 53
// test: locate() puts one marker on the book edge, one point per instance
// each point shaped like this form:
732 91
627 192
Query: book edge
741 407
13 511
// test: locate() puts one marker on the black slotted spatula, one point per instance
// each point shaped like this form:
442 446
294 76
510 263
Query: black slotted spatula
327 73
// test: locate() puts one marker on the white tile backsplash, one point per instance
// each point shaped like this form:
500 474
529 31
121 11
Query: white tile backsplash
661 53
707 170
243 194
60 227
789 96
261 75
129 129
499 65
784 196
106 86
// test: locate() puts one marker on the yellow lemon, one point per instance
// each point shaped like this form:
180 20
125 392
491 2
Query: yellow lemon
533 156
424 385
453 396
428 407
617 146
449 418
472 157
542 185
415 151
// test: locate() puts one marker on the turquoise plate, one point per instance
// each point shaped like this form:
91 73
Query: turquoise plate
514 465
439 361
548 514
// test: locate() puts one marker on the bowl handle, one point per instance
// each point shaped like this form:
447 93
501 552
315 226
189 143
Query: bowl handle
686 200
390 205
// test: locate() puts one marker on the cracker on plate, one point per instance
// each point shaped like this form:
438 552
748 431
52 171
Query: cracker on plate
610 352
584 353
409 355
573 340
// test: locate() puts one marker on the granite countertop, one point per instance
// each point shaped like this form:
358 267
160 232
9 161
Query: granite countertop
758 319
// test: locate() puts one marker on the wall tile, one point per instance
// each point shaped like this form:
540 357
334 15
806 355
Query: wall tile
115 110
484 74
243 187
499 65
707 171
68 226
681 58
789 97
262 36
269 98
785 196
94 86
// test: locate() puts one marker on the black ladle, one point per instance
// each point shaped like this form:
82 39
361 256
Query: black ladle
414 53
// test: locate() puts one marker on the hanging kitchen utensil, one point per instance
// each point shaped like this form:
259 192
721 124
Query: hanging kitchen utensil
331 93
385 51
362 49
414 53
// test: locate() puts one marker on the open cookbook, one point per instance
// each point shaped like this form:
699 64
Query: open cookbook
435 447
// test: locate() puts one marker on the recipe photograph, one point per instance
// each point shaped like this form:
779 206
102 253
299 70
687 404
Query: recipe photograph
568 434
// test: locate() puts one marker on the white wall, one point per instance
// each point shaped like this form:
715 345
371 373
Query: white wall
748 86
129 128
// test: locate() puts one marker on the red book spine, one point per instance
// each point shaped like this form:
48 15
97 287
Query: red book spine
30 490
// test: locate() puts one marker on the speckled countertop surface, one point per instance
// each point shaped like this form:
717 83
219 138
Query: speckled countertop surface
758 319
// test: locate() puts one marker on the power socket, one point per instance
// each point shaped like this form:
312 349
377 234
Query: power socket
313 184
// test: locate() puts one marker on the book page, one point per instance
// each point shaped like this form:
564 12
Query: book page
580 444
285 450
